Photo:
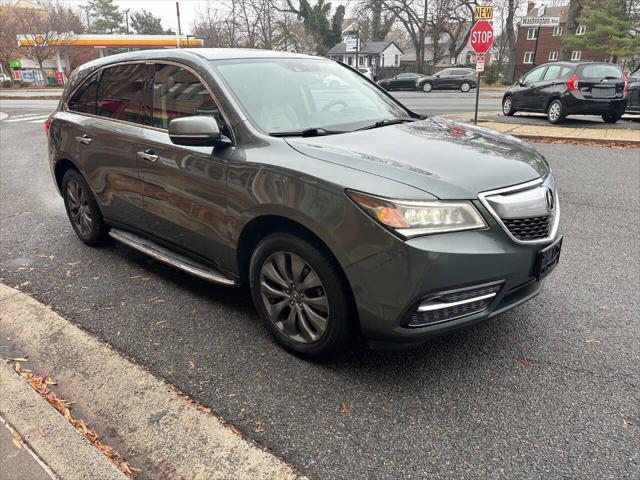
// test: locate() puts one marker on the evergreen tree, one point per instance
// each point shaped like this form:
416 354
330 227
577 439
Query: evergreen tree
105 17
145 23
609 30
319 22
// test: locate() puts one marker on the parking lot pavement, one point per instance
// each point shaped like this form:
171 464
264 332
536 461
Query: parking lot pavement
548 390
631 122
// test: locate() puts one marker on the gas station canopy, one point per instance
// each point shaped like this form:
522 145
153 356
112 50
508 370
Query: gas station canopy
104 41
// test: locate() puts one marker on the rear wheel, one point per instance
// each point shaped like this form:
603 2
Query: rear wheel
611 117
82 209
300 295
427 87
465 87
555 112
507 106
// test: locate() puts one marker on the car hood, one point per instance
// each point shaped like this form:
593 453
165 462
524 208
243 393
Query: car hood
447 159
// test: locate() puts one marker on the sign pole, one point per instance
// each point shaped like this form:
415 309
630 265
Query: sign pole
475 115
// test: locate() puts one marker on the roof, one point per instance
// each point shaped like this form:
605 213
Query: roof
562 12
365 47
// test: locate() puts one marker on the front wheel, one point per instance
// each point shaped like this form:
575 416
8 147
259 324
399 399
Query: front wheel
427 87
465 87
555 112
507 107
300 295
82 209
611 117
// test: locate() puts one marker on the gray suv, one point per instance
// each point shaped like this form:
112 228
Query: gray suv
343 212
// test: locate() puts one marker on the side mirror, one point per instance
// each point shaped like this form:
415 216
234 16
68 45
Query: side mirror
196 131
520 82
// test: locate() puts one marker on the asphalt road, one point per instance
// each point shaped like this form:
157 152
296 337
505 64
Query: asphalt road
548 390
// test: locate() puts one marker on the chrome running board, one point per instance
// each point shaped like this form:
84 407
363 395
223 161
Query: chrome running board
169 257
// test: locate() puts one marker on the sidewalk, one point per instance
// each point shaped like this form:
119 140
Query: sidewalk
553 132
154 426
19 463
30 93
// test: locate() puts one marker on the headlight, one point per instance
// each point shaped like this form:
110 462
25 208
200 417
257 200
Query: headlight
413 218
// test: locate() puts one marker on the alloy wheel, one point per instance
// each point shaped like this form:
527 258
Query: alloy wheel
78 202
465 87
294 297
555 110
506 106
427 87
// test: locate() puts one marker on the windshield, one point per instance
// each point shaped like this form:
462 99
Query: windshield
295 94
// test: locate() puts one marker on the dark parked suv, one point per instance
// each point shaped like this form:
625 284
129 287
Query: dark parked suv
462 79
561 88
343 212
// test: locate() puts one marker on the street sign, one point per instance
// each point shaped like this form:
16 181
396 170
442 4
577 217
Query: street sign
481 37
483 12
540 22
480 66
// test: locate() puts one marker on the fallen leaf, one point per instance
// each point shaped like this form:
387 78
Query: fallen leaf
259 427
526 362
191 365
155 418
16 359
344 408
17 443
592 340
41 431
235 430
161 322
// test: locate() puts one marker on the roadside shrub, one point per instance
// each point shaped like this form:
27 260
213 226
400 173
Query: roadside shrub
6 84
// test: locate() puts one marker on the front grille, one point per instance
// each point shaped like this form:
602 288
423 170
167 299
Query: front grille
449 306
532 228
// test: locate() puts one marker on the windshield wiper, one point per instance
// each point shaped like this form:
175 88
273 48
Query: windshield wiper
307 132
387 121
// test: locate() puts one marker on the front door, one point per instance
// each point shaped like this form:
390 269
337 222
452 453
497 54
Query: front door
184 188
528 97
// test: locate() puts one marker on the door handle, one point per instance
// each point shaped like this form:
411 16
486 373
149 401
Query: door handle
84 139
148 155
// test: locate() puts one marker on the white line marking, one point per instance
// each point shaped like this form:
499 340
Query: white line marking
35 117
39 121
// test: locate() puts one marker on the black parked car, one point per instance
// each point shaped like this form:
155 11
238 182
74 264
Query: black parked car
633 94
447 79
462 79
563 88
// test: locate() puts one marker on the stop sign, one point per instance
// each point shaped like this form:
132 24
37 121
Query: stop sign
481 37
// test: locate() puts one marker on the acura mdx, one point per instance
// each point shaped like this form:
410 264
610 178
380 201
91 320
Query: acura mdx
343 212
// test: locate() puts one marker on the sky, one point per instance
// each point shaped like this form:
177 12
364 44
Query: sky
165 9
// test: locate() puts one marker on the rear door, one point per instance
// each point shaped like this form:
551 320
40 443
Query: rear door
601 81
633 104
106 134
184 188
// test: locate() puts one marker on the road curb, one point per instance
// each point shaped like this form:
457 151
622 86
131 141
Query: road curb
31 97
62 449
172 437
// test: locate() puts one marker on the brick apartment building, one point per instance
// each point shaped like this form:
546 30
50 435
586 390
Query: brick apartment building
538 45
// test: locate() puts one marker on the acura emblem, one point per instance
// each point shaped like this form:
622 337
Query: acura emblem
550 201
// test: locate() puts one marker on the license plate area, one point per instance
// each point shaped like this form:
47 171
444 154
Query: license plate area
547 259
603 92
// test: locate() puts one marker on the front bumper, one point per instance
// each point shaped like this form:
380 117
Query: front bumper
390 286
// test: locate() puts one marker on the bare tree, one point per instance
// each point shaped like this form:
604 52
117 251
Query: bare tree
413 15
8 31
45 31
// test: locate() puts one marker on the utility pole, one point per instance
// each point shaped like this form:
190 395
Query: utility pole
178 14
86 12
126 16
357 46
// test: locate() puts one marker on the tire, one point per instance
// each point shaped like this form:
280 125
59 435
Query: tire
427 87
507 106
465 87
555 112
317 324
82 209
611 117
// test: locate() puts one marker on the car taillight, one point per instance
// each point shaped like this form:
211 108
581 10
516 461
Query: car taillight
47 124
572 84
626 83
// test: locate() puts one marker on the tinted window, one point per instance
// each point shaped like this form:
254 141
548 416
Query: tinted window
445 73
600 71
178 93
534 75
406 75
84 98
462 72
121 92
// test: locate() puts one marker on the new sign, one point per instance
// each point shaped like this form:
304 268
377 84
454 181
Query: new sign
483 12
